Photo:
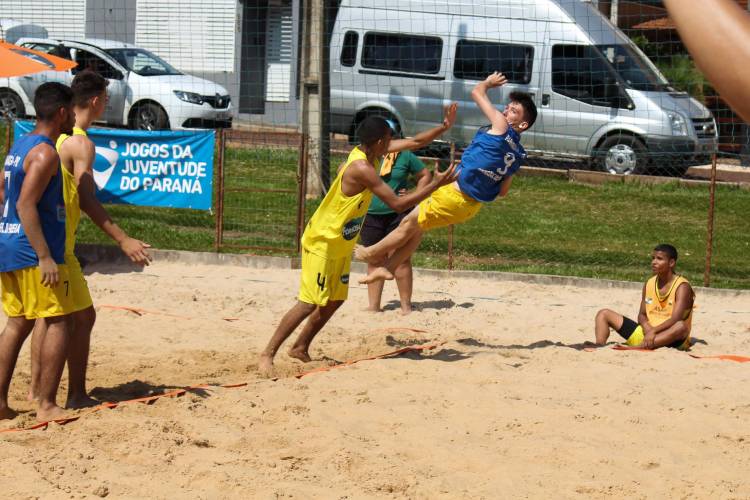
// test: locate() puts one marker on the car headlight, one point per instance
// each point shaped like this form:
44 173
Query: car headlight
678 123
190 97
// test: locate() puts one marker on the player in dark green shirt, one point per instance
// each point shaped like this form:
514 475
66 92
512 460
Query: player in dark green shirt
397 169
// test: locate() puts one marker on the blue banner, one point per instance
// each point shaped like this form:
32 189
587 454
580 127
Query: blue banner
156 169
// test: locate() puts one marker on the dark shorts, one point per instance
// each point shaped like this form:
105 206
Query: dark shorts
629 326
377 226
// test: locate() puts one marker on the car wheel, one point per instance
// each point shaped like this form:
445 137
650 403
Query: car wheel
149 116
11 105
622 155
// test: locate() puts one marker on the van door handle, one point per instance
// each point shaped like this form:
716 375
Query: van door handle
545 99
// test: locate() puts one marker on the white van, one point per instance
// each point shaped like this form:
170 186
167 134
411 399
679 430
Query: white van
599 97
145 92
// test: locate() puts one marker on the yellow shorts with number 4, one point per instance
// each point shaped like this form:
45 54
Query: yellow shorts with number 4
323 279
446 206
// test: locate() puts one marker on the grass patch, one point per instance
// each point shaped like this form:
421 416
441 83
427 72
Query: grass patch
545 225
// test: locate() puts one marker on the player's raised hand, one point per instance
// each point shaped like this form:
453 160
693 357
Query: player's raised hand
449 115
448 176
496 79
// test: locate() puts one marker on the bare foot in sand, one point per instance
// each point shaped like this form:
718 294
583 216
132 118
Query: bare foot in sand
265 365
7 413
31 397
299 353
78 402
363 253
370 309
379 274
406 309
52 412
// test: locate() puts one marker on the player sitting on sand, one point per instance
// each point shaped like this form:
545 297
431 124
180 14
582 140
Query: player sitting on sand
666 312
486 171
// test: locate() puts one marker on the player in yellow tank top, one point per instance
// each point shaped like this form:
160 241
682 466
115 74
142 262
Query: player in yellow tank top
330 236
665 316
77 154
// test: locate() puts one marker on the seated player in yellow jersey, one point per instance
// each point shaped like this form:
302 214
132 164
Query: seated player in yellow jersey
666 313
77 154
484 174
333 229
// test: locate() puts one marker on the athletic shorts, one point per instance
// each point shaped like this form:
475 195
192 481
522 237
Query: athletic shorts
79 289
378 226
632 332
323 279
24 295
446 206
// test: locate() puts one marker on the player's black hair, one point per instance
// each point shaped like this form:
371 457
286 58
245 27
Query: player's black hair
529 108
87 84
667 249
372 129
49 98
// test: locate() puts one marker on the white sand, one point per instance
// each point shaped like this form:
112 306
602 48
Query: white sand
503 410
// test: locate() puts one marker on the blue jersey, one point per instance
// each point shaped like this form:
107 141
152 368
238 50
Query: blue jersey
487 161
15 250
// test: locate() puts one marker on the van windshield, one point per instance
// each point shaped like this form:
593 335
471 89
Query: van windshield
634 69
142 62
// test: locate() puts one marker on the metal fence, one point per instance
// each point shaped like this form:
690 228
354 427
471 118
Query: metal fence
632 146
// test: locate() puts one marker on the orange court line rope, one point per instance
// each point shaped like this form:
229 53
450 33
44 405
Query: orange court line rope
724 357
181 392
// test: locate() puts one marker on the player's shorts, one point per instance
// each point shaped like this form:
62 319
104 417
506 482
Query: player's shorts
446 206
24 295
378 226
323 279
632 332
79 289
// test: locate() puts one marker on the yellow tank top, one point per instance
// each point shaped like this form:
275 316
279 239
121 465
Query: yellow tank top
70 194
659 307
333 229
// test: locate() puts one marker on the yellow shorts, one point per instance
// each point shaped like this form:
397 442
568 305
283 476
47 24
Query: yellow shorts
446 206
323 279
636 339
24 295
79 289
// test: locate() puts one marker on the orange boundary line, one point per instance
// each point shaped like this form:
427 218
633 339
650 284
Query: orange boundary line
723 357
181 392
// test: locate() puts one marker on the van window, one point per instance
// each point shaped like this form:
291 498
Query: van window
402 53
349 49
475 60
581 72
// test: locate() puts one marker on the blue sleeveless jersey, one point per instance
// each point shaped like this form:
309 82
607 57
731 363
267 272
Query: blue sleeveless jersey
487 161
15 250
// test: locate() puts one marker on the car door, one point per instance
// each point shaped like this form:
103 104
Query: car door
115 75
29 83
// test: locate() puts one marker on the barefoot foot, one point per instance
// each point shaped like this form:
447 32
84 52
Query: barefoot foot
49 413
7 413
379 274
31 397
364 254
80 401
299 353
406 309
265 365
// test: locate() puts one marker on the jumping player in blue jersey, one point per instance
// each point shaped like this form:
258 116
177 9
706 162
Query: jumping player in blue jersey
34 279
486 172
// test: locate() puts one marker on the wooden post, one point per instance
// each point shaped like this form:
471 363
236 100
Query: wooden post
450 228
710 230
314 107
219 238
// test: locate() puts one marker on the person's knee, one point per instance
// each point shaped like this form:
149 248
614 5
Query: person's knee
603 314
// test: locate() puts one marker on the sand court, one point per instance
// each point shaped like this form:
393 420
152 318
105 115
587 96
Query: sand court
507 406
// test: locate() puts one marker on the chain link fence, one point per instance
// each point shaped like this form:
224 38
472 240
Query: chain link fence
629 136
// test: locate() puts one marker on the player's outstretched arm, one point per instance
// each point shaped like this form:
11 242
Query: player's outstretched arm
82 152
41 166
479 95
724 33
422 139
